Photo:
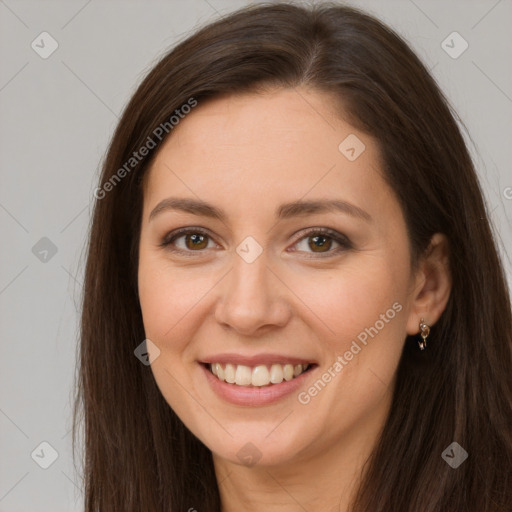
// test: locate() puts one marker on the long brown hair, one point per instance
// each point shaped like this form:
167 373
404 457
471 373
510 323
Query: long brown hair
138 453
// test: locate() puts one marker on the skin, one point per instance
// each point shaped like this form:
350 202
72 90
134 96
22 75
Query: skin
247 154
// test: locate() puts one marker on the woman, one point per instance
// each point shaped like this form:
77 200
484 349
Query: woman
293 299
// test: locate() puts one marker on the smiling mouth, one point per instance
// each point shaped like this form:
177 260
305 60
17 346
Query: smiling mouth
257 376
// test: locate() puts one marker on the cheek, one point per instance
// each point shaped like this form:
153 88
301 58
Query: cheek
360 322
169 297
347 300
170 300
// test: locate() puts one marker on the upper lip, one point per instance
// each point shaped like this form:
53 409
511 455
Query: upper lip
255 360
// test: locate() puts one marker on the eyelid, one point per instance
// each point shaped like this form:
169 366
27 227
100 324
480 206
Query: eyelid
341 239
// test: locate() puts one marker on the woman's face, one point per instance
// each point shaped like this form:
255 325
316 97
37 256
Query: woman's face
256 290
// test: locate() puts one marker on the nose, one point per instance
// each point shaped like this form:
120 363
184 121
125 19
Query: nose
253 297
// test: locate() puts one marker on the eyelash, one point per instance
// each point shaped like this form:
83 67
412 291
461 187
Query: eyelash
342 240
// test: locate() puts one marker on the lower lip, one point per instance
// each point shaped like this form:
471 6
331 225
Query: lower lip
254 396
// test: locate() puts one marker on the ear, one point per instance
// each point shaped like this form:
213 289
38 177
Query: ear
432 285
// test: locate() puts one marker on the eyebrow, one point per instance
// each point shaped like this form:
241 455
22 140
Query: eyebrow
285 211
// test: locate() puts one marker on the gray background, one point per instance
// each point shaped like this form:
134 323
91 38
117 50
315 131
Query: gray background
56 119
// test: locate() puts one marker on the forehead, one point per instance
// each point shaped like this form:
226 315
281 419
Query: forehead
260 149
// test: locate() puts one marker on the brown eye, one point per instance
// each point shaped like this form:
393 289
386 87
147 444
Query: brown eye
194 240
320 241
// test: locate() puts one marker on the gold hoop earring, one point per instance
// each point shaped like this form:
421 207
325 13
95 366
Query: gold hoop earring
425 331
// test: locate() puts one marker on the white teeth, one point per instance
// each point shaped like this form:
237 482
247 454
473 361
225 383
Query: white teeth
276 374
229 374
219 371
288 372
243 375
259 376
